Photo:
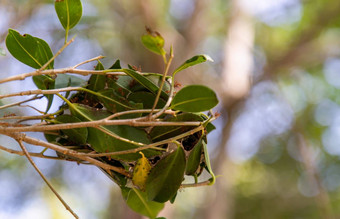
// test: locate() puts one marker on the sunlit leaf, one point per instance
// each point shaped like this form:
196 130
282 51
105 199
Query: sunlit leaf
193 61
194 98
166 177
140 172
137 201
76 135
69 12
154 42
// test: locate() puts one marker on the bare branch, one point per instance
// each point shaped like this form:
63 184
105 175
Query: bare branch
40 155
97 123
204 183
46 181
167 66
66 151
20 102
153 145
89 60
57 54
31 92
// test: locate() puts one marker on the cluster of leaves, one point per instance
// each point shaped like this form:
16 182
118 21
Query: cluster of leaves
153 175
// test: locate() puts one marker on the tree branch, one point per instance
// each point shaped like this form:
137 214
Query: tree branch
46 181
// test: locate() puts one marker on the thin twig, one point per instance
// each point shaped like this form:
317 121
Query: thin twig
32 107
167 66
166 106
46 181
36 117
66 151
89 60
135 150
190 185
20 102
56 55
137 112
39 155
62 71
31 92
97 123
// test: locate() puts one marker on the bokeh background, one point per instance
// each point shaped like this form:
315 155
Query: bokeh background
277 74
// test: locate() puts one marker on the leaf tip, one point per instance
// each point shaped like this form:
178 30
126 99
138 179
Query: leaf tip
208 58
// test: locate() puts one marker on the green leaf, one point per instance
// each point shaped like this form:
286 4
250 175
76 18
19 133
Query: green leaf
145 82
102 141
210 127
64 80
194 98
157 80
159 133
76 135
207 161
69 12
33 52
45 82
193 61
2 52
154 42
97 82
147 99
137 201
116 103
166 177
116 65
29 50
194 159
118 88
173 199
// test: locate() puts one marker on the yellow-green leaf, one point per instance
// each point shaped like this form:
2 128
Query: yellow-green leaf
141 172
154 42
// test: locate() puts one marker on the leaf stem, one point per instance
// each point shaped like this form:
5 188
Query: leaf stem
167 66
89 60
57 54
